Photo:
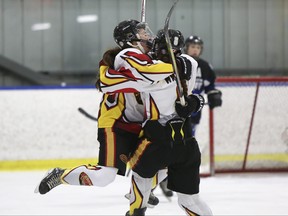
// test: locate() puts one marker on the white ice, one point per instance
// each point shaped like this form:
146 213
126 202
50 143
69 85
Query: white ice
226 194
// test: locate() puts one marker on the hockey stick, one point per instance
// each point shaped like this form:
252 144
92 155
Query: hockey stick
171 53
87 114
143 10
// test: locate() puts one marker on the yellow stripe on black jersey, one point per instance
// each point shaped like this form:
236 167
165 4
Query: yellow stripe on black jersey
138 153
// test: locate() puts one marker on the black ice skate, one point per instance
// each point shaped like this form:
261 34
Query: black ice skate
152 202
168 193
51 179
137 212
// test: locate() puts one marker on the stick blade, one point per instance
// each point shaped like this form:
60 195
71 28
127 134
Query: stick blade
169 15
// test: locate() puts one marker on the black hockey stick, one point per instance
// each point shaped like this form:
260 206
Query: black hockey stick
87 114
171 53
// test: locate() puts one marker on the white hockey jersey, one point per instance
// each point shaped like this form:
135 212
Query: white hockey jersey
136 72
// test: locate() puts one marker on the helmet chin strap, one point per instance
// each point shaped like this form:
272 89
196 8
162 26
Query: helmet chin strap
141 47
138 46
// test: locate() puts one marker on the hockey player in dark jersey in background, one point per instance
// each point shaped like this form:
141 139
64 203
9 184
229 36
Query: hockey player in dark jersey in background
205 78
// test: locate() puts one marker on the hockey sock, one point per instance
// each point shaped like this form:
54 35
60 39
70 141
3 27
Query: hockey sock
140 192
193 205
159 177
90 175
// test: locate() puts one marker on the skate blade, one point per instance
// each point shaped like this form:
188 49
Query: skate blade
127 196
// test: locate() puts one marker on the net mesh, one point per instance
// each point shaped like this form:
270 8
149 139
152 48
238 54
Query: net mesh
266 144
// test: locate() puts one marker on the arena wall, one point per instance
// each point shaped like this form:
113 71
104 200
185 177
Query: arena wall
41 127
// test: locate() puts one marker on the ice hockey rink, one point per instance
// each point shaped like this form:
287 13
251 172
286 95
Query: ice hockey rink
49 53
226 194
68 134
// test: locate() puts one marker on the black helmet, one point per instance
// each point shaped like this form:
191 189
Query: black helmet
160 46
127 31
194 39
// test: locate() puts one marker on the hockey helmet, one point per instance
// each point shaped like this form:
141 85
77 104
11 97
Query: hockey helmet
129 31
193 39
160 47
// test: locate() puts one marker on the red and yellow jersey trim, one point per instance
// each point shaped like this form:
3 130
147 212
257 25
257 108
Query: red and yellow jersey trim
111 109
109 77
154 111
161 68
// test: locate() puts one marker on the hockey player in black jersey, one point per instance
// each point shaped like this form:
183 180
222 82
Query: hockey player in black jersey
205 78
167 138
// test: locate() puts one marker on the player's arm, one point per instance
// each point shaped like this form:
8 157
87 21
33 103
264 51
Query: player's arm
137 74
129 85
116 80
194 102
146 70
214 95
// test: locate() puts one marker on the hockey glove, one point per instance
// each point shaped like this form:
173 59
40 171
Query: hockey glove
194 103
184 67
214 98
198 101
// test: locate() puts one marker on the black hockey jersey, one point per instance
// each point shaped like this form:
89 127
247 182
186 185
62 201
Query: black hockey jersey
205 77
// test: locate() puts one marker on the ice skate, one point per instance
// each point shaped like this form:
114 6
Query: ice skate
137 212
167 193
51 179
152 202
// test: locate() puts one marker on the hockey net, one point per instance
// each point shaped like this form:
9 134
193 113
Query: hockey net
249 132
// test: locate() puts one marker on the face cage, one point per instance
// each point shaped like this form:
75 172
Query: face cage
145 35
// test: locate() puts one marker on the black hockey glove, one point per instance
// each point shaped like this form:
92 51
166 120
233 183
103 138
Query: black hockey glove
184 67
214 98
198 101
194 103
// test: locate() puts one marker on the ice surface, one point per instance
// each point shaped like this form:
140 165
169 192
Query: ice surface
233 194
